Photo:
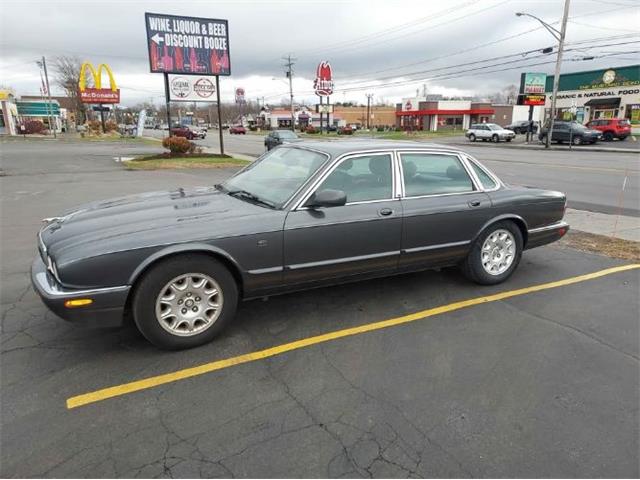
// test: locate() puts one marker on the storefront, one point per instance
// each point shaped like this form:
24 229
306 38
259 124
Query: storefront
419 114
606 93
43 111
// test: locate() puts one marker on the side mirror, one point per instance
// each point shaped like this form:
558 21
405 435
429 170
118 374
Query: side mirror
327 198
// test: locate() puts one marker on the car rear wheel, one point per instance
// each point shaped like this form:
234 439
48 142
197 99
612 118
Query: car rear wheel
495 254
184 301
495 138
608 137
472 137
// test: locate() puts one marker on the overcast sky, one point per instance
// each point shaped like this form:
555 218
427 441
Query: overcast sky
400 45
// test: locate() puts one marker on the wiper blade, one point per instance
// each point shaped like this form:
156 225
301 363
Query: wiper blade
251 197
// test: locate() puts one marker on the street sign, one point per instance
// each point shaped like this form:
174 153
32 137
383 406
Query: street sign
323 84
100 108
187 45
97 94
532 99
240 95
192 88
324 108
533 82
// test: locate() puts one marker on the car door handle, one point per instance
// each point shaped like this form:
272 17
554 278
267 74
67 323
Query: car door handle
474 203
385 212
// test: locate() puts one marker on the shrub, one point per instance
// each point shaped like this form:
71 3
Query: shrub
311 129
95 126
177 144
34 126
110 126
253 128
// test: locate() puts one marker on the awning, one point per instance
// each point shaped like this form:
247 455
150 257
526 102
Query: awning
601 102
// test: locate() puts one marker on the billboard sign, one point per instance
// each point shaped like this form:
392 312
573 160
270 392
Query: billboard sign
323 84
97 94
532 99
240 95
192 88
187 45
533 82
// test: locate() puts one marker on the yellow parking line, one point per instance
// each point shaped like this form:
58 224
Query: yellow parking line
157 380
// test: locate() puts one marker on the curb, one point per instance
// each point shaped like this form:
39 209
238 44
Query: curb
582 148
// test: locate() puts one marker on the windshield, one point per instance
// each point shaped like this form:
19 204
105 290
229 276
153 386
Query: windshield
493 126
277 175
287 134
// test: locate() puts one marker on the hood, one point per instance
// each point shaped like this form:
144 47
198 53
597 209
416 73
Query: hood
150 219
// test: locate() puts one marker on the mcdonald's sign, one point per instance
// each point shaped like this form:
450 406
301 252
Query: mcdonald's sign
97 94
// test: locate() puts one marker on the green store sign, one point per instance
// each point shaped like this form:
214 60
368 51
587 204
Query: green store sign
597 79
38 109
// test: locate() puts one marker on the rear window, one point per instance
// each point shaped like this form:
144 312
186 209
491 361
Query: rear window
625 122
487 182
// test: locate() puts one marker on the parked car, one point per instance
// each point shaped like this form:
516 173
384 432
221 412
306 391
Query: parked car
279 137
570 132
237 129
489 131
198 132
185 132
301 216
611 128
522 127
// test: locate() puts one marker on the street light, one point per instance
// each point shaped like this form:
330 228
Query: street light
558 35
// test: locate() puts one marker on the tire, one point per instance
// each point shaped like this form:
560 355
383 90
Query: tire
473 266
607 137
147 301
495 138
507 139
472 137
576 140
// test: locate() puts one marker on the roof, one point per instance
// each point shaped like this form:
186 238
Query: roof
339 147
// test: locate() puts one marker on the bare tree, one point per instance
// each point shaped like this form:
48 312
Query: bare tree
67 76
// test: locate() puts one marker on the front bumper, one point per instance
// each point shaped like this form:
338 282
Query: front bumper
547 234
108 304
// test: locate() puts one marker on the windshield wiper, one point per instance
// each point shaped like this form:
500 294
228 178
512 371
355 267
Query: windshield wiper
252 198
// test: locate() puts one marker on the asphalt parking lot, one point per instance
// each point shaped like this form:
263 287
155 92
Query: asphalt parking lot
536 383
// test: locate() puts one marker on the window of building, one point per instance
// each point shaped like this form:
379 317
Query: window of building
433 174
362 178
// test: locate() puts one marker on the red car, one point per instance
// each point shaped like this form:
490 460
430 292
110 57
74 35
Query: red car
183 132
611 128
238 129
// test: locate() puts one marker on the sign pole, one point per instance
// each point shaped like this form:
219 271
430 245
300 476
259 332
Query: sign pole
529 126
219 115
321 114
104 128
167 102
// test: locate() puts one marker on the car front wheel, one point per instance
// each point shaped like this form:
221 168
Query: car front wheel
494 255
184 301
577 140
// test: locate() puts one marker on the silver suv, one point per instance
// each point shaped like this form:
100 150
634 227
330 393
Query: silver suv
489 131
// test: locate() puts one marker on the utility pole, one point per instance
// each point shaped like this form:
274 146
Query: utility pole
290 62
369 97
556 77
46 79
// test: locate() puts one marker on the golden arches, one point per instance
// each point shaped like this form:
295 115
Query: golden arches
97 76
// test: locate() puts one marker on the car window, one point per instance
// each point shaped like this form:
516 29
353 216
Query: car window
487 182
432 174
362 178
560 126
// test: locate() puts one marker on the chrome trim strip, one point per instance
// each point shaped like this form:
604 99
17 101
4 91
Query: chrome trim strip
344 222
553 226
260 271
435 247
322 263
338 161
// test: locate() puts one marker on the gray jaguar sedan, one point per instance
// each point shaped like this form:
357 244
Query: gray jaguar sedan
301 216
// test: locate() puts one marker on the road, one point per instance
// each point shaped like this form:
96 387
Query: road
542 384
595 181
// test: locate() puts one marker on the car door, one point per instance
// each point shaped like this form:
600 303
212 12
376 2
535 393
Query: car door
360 237
444 207
560 132
484 132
